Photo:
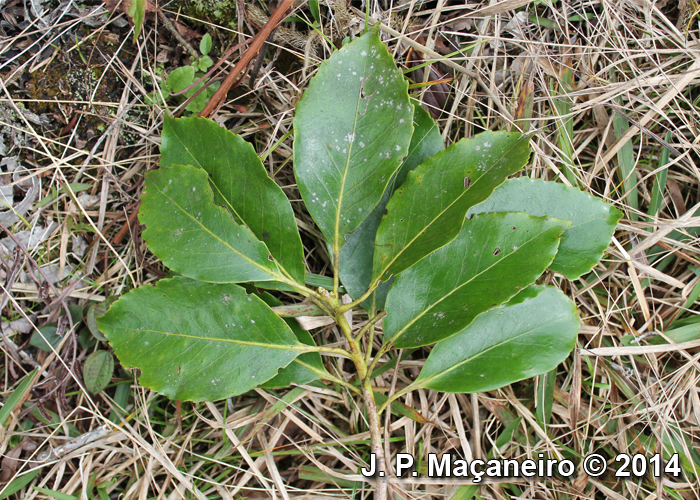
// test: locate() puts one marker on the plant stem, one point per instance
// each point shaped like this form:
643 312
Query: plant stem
277 16
328 350
330 378
356 354
370 345
375 433
370 324
294 310
361 299
303 290
380 353
394 397
336 271
370 341
375 428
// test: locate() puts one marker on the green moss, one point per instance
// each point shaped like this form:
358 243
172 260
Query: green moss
127 136
221 12
75 83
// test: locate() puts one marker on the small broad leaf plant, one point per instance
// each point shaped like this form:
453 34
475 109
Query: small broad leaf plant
433 245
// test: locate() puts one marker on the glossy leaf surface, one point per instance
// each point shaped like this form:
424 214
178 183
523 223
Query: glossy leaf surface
491 260
427 211
530 335
352 129
195 341
195 237
356 254
426 141
593 220
240 183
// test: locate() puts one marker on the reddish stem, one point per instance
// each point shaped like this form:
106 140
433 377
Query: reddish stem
218 98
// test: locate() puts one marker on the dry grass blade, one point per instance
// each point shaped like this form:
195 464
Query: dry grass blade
609 92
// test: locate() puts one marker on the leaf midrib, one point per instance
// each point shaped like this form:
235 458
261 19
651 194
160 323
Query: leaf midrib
336 228
422 231
228 203
454 290
423 382
233 250
293 347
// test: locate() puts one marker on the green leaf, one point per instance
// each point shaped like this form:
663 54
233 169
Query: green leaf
315 12
205 44
676 441
195 237
204 63
593 220
197 103
490 261
316 280
85 339
563 103
300 370
657 190
352 128
678 335
179 79
506 436
75 187
627 162
97 371
356 255
55 494
303 369
316 475
240 183
197 341
19 482
530 335
76 313
465 492
136 10
121 400
427 211
426 142
401 409
18 395
97 310
45 337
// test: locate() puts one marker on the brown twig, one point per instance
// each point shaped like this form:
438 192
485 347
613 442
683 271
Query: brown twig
140 258
255 45
113 222
173 31
211 71
127 226
259 60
